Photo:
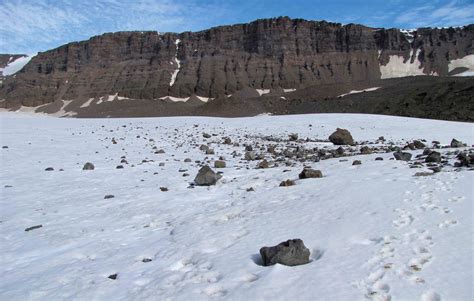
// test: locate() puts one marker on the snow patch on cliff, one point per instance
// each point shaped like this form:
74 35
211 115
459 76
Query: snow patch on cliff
14 66
178 63
359 91
184 99
263 91
467 62
396 67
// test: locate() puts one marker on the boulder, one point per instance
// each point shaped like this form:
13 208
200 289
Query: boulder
291 253
250 156
88 166
433 157
287 183
263 164
456 143
293 137
219 164
341 137
308 173
402 156
418 144
356 162
206 177
365 150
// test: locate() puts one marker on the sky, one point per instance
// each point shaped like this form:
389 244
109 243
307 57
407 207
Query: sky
29 26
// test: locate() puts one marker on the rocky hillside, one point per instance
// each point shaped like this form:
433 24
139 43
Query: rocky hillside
264 54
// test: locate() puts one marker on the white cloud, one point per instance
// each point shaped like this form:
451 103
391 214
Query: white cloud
432 15
38 25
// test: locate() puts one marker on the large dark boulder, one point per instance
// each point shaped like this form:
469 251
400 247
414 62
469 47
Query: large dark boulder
456 143
291 252
308 173
88 166
341 137
206 177
433 157
402 156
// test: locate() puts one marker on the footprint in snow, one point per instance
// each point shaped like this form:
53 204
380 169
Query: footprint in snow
447 224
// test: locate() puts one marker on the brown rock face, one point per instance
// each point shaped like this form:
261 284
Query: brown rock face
264 54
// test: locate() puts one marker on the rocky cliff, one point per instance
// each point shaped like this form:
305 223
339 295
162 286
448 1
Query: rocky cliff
264 54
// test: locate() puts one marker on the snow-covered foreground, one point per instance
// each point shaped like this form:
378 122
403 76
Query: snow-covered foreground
374 230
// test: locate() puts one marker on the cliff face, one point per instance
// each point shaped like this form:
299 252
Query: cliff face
264 54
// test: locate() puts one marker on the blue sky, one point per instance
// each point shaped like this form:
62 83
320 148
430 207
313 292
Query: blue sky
28 26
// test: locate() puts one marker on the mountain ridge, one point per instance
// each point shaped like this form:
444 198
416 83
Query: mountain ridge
264 54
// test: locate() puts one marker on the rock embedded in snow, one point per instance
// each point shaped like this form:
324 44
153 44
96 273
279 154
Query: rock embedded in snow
33 228
402 156
465 159
206 177
287 183
113 276
365 150
204 148
290 253
356 162
433 157
293 137
456 143
88 166
308 173
219 164
109 196
263 164
418 144
49 169
341 137
206 135
250 156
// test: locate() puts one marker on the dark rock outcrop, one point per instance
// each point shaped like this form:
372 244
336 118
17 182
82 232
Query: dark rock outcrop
265 54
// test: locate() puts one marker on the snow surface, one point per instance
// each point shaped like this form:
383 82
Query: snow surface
359 91
397 68
16 65
178 64
367 226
